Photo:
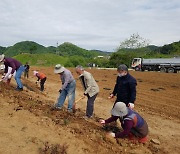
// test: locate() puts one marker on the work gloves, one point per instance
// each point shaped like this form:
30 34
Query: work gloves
102 122
85 94
111 134
131 105
60 90
111 96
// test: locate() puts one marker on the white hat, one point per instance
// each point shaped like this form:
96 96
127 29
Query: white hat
1 57
58 69
35 72
119 109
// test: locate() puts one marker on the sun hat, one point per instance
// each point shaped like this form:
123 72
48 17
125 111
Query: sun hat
35 72
58 69
119 109
1 57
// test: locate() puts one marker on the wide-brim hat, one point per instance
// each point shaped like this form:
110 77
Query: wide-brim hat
119 109
58 69
1 57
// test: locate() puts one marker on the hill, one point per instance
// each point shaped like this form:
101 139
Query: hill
65 49
69 49
25 47
2 49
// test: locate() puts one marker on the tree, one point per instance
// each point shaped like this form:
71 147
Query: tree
32 49
135 41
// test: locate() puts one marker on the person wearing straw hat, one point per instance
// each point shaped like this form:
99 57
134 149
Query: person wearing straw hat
41 77
134 126
16 66
67 89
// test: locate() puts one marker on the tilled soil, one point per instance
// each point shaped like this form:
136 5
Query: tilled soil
157 101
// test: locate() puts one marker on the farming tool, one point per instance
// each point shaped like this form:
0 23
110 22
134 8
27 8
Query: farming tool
74 106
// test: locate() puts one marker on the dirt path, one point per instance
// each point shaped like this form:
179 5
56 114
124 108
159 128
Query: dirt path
157 100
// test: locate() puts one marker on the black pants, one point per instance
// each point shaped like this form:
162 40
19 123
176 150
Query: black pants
90 105
26 74
42 82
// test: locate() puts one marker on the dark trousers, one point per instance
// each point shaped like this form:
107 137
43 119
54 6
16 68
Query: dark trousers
90 105
26 74
42 82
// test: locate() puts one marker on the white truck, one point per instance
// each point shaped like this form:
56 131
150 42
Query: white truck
168 65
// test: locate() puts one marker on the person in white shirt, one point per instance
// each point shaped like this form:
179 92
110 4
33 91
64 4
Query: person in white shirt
7 76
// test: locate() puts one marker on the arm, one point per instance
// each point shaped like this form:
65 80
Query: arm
11 64
111 119
8 73
6 68
89 83
128 124
38 77
132 86
115 87
67 79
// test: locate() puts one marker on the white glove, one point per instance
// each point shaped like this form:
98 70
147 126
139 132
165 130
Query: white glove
102 121
111 134
131 105
111 96
10 76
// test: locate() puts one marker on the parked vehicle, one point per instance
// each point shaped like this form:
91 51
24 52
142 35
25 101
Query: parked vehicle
168 65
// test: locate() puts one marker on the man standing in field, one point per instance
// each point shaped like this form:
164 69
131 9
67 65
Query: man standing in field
90 87
16 66
26 72
125 87
67 89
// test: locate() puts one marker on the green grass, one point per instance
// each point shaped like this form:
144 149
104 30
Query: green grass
41 59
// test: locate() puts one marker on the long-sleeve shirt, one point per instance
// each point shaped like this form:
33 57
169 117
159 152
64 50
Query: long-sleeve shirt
132 122
125 89
66 78
11 63
40 76
6 77
126 125
27 67
90 86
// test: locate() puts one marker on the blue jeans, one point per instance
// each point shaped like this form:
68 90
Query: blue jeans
19 72
70 92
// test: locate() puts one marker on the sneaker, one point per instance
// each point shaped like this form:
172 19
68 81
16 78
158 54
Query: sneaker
19 89
143 140
56 108
69 110
87 118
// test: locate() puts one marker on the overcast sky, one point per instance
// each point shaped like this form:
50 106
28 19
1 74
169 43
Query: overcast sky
91 24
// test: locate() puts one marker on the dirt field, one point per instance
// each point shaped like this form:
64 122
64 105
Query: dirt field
28 125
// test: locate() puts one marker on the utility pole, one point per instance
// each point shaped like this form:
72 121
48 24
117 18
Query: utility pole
57 48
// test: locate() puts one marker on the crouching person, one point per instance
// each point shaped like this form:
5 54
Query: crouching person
41 77
134 126
67 89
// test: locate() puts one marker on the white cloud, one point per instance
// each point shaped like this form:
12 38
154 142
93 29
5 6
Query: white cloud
92 24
